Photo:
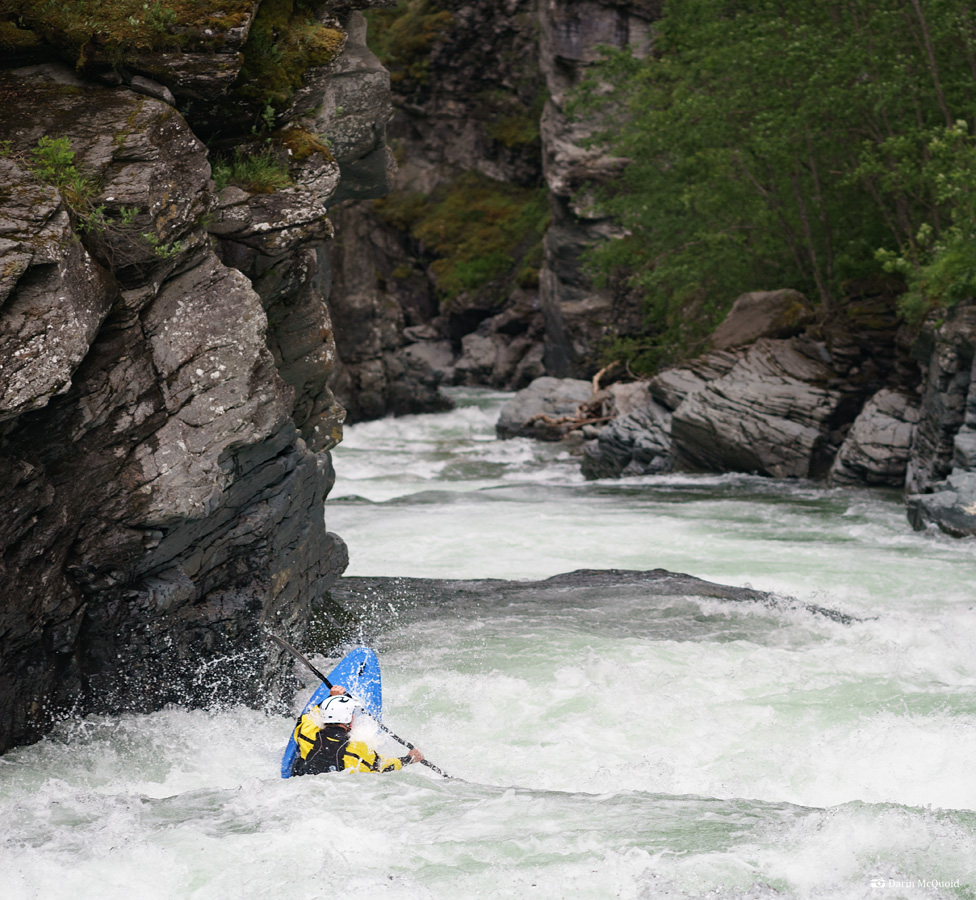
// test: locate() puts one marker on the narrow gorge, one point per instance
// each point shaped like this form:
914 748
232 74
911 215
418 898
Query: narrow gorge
226 229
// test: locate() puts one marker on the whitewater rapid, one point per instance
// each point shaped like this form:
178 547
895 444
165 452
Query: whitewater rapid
604 744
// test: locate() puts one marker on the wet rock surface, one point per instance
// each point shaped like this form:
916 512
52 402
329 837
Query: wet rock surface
941 472
636 443
165 354
360 592
773 414
537 411
877 448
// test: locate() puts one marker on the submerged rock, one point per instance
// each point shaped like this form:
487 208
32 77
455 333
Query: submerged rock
360 592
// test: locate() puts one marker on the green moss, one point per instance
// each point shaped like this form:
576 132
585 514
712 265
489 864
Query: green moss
284 40
512 122
13 39
402 37
402 209
122 26
483 234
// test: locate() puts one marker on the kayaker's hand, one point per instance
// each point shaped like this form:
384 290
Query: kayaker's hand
336 689
415 755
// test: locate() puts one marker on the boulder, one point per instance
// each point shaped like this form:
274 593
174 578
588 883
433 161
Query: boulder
945 439
762 314
951 507
544 408
635 443
670 387
775 412
436 354
949 356
876 449
479 356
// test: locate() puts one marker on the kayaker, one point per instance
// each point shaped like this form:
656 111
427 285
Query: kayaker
322 735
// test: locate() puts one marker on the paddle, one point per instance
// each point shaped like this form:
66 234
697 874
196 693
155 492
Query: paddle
328 684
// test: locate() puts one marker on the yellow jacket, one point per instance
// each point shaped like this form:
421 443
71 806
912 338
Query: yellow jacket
328 749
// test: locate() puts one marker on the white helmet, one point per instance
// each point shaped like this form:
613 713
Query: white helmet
338 710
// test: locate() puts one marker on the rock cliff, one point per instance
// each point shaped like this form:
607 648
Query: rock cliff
424 295
470 272
165 346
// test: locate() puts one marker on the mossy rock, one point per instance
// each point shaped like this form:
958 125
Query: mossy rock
83 27
16 40
285 40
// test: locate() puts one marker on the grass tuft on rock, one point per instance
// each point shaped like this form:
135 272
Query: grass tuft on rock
260 173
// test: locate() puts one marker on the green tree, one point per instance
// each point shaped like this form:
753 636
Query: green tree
781 144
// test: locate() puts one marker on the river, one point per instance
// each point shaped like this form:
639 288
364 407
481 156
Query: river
603 745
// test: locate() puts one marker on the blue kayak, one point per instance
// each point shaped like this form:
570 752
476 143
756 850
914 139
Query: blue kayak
359 673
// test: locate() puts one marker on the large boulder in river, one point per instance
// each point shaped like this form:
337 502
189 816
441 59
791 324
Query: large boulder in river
636 443
775 412
544 408
951 507
876 449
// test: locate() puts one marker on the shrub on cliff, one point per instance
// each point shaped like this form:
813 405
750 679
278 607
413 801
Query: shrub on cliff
784 145
481 235
403 36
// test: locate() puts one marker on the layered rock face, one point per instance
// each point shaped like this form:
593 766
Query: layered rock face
578 315
165 413
465 131
942 468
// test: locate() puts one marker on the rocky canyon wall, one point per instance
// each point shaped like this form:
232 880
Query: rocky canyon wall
165 350
471 272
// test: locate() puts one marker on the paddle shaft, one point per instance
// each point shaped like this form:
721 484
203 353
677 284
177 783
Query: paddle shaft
329 685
